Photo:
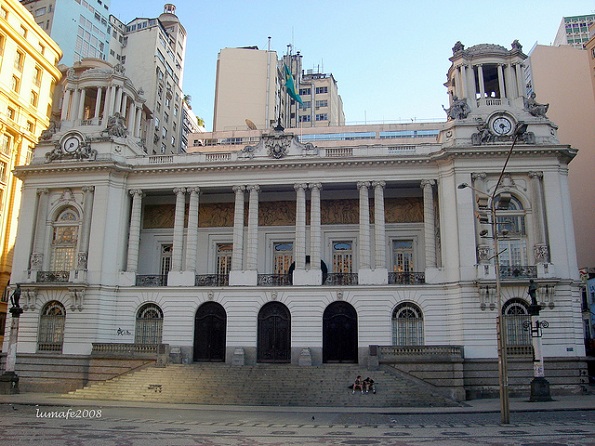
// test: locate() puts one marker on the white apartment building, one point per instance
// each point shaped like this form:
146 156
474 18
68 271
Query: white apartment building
574 31
151 51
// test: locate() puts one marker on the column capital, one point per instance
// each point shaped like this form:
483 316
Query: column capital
194 190
88 189
253 187
378 184
136 192
479 176
237 189
425 183
315 186
300 186
362 184
535 175
179 190
43 191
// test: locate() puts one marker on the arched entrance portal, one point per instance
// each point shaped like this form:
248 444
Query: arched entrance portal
210 326
339 333
274 333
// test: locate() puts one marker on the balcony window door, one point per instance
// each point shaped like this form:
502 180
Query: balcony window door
342 257
224 253
165 261
282 257
64 240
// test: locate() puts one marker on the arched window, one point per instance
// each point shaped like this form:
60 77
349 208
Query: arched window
408 325
65 240
51 327
516 315
512 231
149 325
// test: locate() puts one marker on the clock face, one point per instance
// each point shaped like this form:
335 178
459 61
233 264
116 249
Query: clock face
71 144
501 126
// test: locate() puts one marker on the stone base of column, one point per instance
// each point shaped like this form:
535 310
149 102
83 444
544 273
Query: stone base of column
9 383
378 276
249 278
540 390
307 277
127 278
181 278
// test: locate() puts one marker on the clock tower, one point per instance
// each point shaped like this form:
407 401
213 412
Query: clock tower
488 100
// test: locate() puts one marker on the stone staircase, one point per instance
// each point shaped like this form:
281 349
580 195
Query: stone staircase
266 385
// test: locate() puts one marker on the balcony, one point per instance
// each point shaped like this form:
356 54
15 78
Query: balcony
211 280
341 279
518 272
151 280
53 276
274 280
406 278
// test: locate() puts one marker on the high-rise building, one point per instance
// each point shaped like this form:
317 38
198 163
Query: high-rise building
151 51
266 102
28 75
80 27
574 31
322 106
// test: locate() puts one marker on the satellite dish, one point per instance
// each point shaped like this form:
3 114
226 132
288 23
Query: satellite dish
250 124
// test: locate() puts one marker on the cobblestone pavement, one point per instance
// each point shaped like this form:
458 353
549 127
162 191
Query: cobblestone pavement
125 426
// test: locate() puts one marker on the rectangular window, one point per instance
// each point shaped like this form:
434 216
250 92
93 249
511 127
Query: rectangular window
3 171
403 258
19 61
322 103
322 117
34 99
342 256
282 257
165 261
40 11
224 254
321 90
305 91
38 75
305 118
6 144
305 105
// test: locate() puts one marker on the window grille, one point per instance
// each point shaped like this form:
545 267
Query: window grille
408 325
149 325
51 327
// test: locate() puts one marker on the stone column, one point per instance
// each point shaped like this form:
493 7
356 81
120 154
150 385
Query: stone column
109 100
192 237
131 117
315 232
429 225
88 196
482 88
74 105
237 258
299 247
139 113
519 80
501 82
252 241
540 248
176 260
118 104
135 226
66 104
364 225
81 108
98 103
38 254
379 225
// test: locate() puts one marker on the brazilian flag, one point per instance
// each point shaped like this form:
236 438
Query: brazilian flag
290 86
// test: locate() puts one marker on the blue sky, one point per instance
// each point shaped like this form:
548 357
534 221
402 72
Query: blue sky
389 57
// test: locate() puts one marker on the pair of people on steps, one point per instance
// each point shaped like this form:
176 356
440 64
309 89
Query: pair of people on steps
363 385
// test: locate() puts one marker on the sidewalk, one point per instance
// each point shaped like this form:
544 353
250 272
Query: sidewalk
559 403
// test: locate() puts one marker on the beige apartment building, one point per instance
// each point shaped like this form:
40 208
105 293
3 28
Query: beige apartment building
28 74
250 92
561 77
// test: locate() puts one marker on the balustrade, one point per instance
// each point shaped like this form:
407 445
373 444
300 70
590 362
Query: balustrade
151 280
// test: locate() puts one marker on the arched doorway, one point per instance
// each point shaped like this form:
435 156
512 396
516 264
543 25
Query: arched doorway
210 329
339 333
274 333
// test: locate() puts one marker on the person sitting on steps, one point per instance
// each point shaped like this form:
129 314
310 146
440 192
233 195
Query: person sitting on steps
369 385
358 384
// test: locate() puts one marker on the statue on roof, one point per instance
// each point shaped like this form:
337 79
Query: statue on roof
535 108
458 110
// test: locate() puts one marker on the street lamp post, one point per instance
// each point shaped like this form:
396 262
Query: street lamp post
500 329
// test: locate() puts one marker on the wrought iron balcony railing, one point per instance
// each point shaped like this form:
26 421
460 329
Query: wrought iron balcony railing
406 278
341 279
274 280
518 271
53 276
211 280
151 280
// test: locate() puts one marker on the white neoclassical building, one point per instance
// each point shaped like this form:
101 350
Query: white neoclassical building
345 244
